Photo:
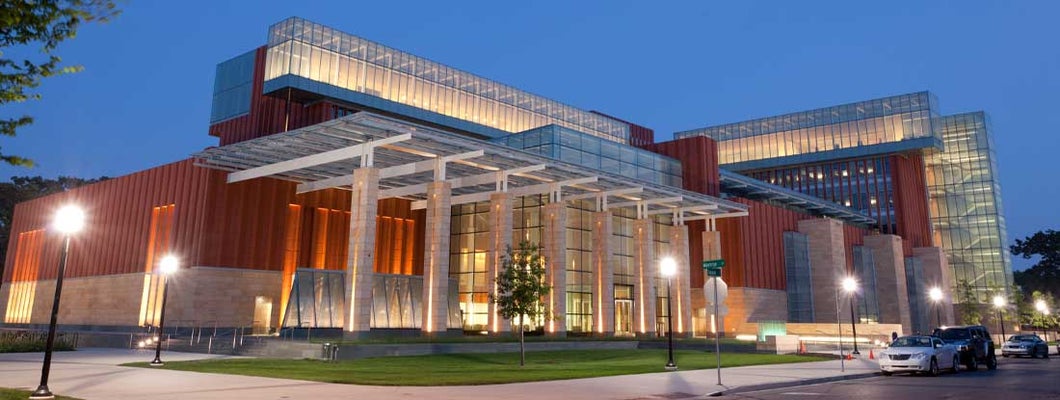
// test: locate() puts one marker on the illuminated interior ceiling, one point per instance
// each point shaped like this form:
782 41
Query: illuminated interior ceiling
754 189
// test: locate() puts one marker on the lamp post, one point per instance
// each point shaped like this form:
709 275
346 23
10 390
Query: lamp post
669 269
167 266
851 287
936 296
1044 310
68 221
999 304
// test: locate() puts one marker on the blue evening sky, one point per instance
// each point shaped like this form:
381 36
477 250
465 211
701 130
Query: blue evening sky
144 97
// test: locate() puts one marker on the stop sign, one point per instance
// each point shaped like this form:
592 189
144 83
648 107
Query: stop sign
708 290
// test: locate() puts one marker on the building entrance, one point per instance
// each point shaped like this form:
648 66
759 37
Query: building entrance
623 310
262 315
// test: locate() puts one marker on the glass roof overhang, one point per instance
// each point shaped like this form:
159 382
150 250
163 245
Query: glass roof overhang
404 145
754 189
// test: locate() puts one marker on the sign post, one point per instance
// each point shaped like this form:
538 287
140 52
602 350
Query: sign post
713 268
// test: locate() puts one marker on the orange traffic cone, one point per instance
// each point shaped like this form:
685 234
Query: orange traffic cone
802 347
871 356
850 356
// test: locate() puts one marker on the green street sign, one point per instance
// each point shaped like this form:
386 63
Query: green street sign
713 264
714 272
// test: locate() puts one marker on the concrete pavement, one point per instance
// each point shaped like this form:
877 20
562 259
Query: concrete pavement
93 374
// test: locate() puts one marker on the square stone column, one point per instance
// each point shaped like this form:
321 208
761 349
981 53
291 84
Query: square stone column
603 274
436 258
891 292
828 260
712 251
360 259
500 239
682 292
554 236
936 273
644 273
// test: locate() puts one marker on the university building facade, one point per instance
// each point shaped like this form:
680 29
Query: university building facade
360 188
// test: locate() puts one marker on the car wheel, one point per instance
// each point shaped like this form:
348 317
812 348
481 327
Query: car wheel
1034 353
973 364
1005 355
991 363
888 373
956 365
1045 354
933 370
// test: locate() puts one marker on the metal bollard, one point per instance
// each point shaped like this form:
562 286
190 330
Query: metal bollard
334 352
326 351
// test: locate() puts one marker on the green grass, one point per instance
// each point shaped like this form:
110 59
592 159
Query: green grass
477 369
15 394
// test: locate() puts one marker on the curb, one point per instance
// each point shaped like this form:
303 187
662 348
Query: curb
780 385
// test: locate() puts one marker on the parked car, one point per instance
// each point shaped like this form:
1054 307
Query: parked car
1025 345
919 354
973 344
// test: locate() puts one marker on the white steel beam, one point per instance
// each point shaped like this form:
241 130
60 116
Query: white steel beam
540 188
647 202
616 192
345 153
388 172
682 209
461 182
717 216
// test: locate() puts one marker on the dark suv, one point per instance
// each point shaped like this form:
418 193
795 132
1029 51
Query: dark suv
973 344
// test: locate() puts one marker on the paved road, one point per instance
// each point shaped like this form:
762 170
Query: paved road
1015 379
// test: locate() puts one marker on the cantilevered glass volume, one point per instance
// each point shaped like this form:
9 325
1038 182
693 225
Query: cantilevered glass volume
328 57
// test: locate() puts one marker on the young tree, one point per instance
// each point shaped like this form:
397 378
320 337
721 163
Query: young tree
968 303
521 289
43 23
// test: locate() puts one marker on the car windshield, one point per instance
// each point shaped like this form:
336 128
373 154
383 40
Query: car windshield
912 342
1022 338
954 334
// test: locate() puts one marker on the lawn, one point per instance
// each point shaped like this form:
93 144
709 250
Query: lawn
14 394
477 369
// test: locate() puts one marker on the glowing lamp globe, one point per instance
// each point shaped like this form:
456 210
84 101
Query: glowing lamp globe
69 219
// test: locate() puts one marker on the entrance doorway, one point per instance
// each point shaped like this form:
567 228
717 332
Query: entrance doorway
262 315
623 310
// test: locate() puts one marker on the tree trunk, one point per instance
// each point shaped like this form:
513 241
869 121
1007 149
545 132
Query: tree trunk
522 349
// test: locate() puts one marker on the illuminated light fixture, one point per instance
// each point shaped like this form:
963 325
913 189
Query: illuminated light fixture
69 220
936 296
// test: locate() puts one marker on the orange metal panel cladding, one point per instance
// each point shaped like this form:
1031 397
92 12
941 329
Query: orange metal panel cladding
753 246
910 203
699 167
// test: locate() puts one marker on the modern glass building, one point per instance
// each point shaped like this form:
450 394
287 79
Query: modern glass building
884 158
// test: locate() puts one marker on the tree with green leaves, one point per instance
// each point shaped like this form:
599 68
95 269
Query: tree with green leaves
25 188
40 24
521 289
1044 276
969 305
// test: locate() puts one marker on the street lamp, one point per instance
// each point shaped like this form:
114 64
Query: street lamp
69 220
999 304
1044 310
936 296
669 269
851 286
167 266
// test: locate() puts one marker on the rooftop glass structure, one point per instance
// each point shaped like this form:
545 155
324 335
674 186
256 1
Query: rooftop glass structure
590 151
844 131
326 59
965 203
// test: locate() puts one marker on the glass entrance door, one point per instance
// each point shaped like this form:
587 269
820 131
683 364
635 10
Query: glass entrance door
623 317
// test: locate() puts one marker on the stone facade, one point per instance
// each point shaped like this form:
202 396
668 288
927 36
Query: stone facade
827 266
500 239
364 205
194 294
436 258
936 272
751 305
644 273
554 238
682 293
891 294
603 273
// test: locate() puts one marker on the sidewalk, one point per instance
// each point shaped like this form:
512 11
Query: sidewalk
93 374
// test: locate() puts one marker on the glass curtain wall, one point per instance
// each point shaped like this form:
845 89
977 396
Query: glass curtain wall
862 184
469 243
965 203
580 267
322 54
886 120
865 271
